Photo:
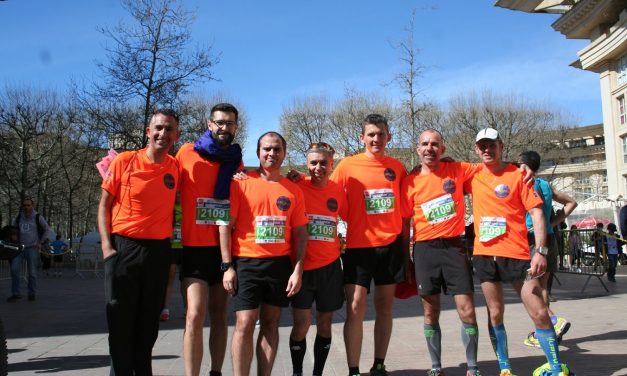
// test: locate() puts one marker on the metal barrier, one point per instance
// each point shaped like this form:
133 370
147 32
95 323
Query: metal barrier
587 254
88 260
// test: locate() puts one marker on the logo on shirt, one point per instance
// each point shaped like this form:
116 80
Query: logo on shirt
168 180
389 174
449 186
501 191
332 204
283 203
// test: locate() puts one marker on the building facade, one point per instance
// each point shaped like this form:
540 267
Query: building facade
604 24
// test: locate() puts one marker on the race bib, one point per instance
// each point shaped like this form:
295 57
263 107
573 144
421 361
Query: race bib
439 209
270 229
491 228
210 211
322 227
379 201
176 235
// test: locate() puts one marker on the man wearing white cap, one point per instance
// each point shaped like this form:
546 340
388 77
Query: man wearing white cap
501 251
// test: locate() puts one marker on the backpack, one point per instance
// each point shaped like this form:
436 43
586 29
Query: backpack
40 228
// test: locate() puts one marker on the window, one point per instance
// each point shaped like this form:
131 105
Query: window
622 116
624 149
599 140
577 143
621 70
548 162
581 159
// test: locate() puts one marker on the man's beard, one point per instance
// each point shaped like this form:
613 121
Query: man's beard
223 141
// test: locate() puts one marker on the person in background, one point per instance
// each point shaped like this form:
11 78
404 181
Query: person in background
58 249
34 235
575 247
614 248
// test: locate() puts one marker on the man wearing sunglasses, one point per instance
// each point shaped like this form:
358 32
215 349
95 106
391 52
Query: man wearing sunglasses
325 203
267 227
207 167
374 245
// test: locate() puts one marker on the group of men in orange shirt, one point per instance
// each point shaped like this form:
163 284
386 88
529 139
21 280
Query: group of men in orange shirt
269 242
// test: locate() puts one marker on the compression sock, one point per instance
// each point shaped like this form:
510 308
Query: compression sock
470 339
353 371
433 335
548 341
297 350
498 337
321 351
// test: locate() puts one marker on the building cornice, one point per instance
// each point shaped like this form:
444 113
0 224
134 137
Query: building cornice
586 16
596 56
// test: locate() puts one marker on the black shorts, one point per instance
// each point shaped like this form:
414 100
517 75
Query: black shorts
175 255
261 280
442 265
202 263
500 269
57 258
324 285
386 265
552 256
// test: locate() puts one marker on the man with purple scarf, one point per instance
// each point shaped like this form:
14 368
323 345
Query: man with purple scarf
207 167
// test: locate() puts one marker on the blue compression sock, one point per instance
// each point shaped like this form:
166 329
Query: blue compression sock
548 341
498 337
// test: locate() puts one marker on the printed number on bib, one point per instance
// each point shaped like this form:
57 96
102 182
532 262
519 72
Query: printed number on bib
491 228
379 201
270 229
322 227
439 209
210 211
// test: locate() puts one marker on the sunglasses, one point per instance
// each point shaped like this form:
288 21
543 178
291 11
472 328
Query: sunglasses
321 146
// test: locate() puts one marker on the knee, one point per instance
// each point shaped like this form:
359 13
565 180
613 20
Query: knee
194 318
218 316
245 326
467 313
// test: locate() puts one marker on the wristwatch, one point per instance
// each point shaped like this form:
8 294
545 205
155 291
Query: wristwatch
542 250
225 266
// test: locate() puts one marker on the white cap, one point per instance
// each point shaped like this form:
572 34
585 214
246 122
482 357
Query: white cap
487 133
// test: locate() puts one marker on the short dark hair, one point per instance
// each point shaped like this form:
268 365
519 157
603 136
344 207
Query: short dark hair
224 107
166 112
531 159
375 119
274 134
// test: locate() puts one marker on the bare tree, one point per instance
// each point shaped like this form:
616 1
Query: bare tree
408 128
304 122
150 64
522 123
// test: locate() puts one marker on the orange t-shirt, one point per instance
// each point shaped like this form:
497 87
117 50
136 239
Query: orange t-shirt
500 202
144 195
372 187
200 210
323 207
265 213
436 200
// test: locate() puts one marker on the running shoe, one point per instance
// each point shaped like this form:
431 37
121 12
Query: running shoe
506 372
561 327
165 315
379 370
545 370
435 372
531 340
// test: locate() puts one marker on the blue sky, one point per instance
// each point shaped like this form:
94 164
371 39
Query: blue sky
272 51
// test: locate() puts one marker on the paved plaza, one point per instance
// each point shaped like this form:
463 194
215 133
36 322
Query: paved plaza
64 332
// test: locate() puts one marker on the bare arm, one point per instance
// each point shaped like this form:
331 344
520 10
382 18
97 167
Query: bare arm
538 261
229 279
569 205
104 223
299 242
